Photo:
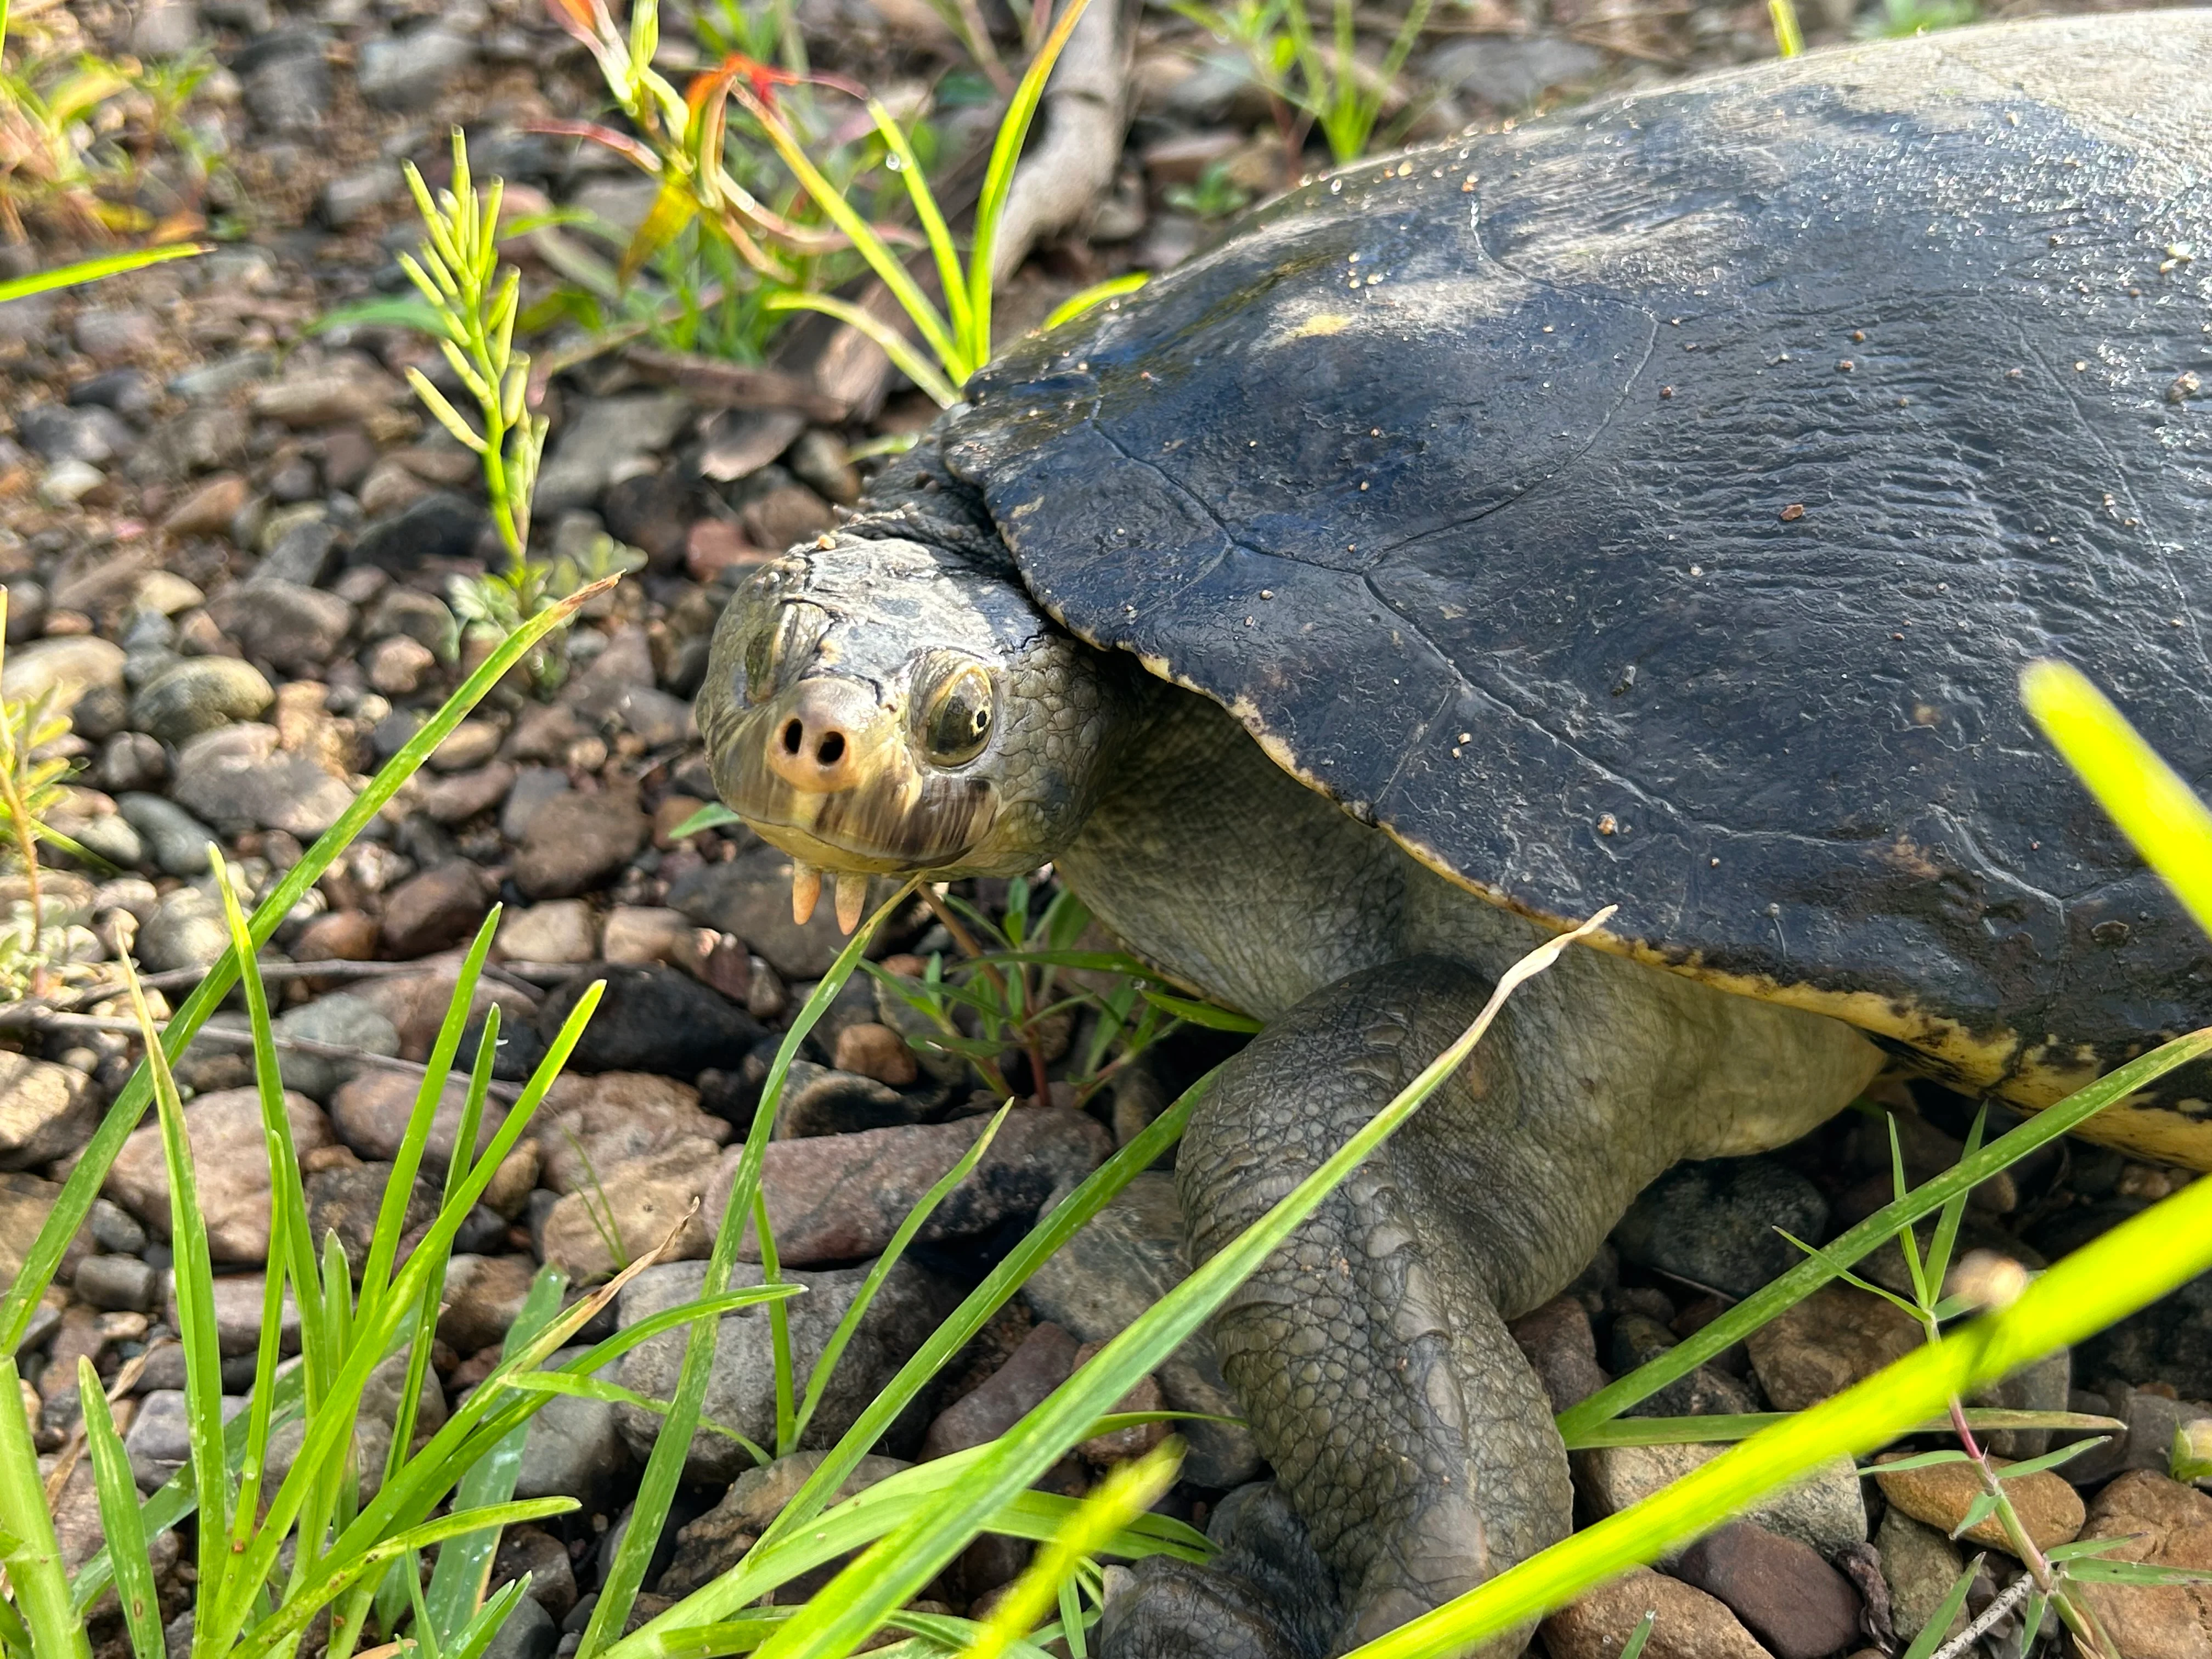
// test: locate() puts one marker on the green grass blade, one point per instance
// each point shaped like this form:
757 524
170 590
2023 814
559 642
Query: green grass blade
664 1466
999 180
1808 1276
1098 294
92 270
2148 799
916 1219
74 1204
33 1557
120 1517
888 340
195 1281
464 1566
934 230
476 1635
2136 1262
894 1568
1709 1430
779 1331
407 1162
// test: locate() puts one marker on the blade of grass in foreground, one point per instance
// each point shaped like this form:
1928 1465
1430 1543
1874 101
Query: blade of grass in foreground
44 1258
120 1517
894 1569
34 1555
2138 1261
1578 1422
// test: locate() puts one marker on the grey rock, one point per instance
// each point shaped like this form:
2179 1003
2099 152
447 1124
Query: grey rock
305 553
482 1295
110 837
159 1440
2170 1341
712 1545
577 842
370 1114
25 1203
167 29
1827 1508
69 667
288 93
1920 1564
352 197
347 1021
1637 1339
817 1101
2042 1387
238 779
238 1309
177 841
1125 1259
422 617
230 1166
574 1447
750 896
439 525
199 695
215 381
607 439
114 1229
2146 1442
118 1282
110 333
589 1123
741 1388
652 1018
1713 1222
533 788
1510 74
528 1633
294 629
45 1110
440 907
186 930
410 71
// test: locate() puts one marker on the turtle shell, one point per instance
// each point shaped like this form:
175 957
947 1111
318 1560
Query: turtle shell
1656 505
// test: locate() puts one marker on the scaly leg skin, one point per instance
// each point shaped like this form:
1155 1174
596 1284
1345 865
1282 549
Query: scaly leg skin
1370 1354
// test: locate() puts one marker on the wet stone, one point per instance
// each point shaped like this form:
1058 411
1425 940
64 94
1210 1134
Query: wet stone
1714 1223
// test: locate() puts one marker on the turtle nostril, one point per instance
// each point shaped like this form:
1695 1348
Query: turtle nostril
792 735
831 749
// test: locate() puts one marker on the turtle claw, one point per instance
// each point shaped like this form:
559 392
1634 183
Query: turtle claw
852 899
805 891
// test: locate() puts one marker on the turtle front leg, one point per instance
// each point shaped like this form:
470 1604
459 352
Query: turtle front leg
1370 1354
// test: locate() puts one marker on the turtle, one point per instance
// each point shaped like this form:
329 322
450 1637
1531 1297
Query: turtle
1654 505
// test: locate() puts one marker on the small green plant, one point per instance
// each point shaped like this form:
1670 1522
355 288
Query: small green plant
1308 85
30 788
1214 196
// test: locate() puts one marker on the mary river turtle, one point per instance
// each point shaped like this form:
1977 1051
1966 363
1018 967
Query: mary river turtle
1655 504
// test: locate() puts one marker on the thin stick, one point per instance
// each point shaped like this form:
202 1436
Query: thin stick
2005 1601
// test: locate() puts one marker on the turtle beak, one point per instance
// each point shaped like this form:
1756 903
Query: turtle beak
824 771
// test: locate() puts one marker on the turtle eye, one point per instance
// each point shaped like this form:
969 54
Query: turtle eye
956 716
790 638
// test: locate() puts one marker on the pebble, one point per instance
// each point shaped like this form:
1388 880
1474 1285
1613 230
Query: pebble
67 482
911 1302
305 553
186 930
178 840
1638 1338
2169 1525
337 936
369 1113
159 1440
1559 1344
2050 1509
328 396
528 1633
653 1019
604 440
1714 1223
346 1199
819 1102
296 629
533 788
876 1051
1691 1624
230 1162
1045 1359
238 778
481 1296
440 526
1094 1286
839 1198
348 1021
1920 1565
573 1447
1826 1510
576 842
784 516
751 898
2145 1443
238 1309
46 1109
68 666
121 1282
25 1200
442 906
288 93
199 695
409 72
645 933
559 930
626 1208
1835 1337
595 1122
398 666
545 1559
465 795
1786 1595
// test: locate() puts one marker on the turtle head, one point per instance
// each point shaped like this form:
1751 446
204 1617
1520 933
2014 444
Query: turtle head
887 708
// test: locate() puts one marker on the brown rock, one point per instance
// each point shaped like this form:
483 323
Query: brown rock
458 798
1559 1344
1795 1602
370 1114
876 1051
1691 1624
416 1004
628 1210
785 515
440 907
337 936
484 1294
46 1109
328 397
645 933
609 1118
576 842
2170 1525
1045 1359
1120 1445
1941 1493
559 930
209 509
714 546
1835 1337
840 1198
230 1167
